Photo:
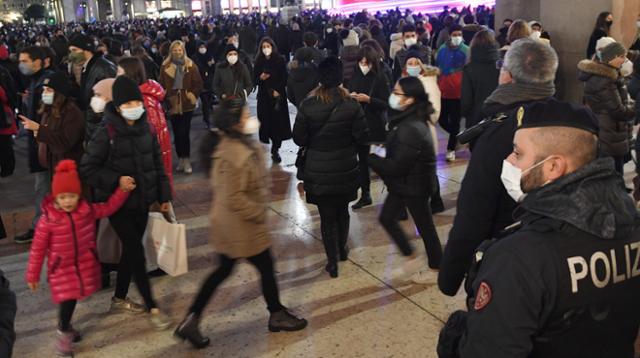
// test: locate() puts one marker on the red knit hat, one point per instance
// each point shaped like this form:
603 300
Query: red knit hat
65 179
4 52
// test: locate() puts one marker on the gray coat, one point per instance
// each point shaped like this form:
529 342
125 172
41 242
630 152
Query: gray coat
226 83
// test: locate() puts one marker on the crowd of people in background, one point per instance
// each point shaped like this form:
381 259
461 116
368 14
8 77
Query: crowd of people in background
99 101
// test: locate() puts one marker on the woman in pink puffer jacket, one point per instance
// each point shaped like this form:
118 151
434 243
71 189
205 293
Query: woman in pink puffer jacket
65 234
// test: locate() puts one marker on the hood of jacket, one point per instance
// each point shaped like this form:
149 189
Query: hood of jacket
484 54
589 68
593 199
113 118
153 89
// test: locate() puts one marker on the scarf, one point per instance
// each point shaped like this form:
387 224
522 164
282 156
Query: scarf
521 92
177 81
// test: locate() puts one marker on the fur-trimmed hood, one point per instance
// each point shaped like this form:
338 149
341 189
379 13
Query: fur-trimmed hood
430 71
590 68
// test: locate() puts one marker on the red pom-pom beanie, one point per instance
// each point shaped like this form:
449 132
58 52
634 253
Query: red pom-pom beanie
66 179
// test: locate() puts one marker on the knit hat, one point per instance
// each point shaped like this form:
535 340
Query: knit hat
351 39
228 49
83 42
125 90
66 179
413 53
612 51
104 89
330 72
4 52
58 82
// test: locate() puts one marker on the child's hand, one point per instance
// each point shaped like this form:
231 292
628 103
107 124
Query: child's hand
33 285
127 184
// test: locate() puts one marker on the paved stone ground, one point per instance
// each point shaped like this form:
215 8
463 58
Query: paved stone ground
363 313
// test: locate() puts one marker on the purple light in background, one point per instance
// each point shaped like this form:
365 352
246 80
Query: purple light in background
424 6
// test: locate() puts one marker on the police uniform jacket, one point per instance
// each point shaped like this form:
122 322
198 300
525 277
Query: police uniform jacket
567 283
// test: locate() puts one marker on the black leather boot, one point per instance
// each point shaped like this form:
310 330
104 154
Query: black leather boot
188 330
365 200
330 242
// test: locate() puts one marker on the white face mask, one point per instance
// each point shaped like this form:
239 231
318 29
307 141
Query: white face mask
627 68
127 53
365 69
202 50
329 30
394 102
536 35
251 126
456 40
511 177
47 98
267 51
232 59
410 41
236 44
97 104
132 114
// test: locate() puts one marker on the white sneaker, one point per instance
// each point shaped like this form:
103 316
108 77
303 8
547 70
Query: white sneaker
180 166
451 156
424 276
408 268
187 166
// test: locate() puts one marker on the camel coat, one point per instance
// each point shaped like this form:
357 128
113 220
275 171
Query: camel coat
184 100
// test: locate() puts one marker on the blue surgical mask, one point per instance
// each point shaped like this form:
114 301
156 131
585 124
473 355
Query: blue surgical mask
414 71
394 102
132 114
47 98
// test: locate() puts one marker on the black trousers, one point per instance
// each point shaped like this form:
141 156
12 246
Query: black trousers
421 213
130 226
181 124
334 225
65 314
263 262
450 120
276 144
7 156
205 100
365 176
619 161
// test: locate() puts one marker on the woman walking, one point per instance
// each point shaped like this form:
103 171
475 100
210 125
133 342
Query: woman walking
180 77
408 170
231 77
270 74
239 213
124 146
331 126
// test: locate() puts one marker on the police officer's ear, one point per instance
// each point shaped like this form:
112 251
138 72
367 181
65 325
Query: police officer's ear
556 167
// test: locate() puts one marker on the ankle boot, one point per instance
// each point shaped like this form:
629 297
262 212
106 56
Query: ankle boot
365 200
188 330
330 242
343 248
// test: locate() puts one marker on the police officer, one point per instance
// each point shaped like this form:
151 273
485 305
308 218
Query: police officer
484 209
567 282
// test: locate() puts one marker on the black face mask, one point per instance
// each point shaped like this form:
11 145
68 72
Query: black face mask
609 23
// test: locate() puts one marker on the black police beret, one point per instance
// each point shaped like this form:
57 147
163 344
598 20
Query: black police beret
554 113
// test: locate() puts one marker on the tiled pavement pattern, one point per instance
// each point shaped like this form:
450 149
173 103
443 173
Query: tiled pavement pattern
363 313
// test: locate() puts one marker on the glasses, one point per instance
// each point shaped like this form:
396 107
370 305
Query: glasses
499 64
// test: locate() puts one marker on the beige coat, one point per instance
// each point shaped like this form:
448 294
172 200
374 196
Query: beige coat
181 101
240 195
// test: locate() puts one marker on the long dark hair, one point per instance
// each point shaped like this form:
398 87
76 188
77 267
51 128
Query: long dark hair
601 22
372 56
412 87
134 69
274 53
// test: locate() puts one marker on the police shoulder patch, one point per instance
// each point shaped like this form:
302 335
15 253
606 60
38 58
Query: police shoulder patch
483 296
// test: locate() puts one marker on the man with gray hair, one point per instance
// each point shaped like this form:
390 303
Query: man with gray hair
484 207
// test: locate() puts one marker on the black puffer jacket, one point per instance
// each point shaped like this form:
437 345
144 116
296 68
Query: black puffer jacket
303 78
349 58
331 170
409 168
606 94
97 70
377 88
479 79
118 149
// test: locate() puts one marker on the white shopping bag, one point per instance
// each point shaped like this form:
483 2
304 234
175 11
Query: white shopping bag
167 243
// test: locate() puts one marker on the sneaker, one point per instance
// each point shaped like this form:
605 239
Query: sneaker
159 320
126 305
187 166
424 276
64 344
180 166
451 156
283 320
408 268
25 238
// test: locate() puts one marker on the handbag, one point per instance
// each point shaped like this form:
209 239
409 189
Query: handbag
301 156
166 245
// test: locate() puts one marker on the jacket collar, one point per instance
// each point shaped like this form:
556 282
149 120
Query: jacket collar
598 69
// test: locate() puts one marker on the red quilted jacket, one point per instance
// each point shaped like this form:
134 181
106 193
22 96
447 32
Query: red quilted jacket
68 240
153 95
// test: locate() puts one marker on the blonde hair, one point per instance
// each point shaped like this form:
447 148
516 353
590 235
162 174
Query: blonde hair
174 44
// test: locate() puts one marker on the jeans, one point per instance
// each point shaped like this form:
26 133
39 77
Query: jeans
130 226
364 175
181 124
7 156
263 262
421 213
450 120
65 314
41 189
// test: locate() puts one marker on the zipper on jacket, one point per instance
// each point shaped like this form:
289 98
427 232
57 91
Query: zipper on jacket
75 245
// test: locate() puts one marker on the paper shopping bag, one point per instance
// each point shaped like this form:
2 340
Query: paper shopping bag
108 243
169 241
